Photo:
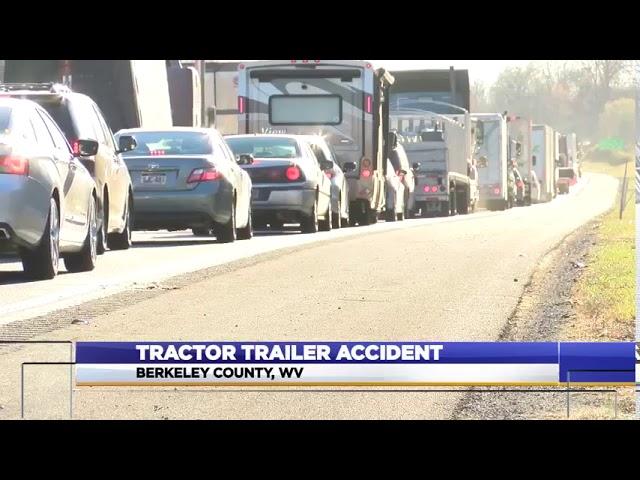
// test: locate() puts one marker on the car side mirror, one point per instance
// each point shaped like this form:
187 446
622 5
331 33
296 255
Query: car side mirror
416 166
348 166
126 143
85 148
326 165
245 159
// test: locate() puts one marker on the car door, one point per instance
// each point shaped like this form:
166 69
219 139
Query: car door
324 184
74 189
118 179
243 198
341 179
321 154
88 127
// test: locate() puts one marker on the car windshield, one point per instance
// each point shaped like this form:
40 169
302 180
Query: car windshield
169 143
5 117
264 147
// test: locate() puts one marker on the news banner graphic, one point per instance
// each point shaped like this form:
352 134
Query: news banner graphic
355 363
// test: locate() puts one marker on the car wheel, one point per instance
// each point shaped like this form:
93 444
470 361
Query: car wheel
42 263
309 223
122 240
227 232
85 259
246 232
325 224
203 232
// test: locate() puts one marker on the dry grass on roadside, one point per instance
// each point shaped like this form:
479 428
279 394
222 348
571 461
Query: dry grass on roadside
605 293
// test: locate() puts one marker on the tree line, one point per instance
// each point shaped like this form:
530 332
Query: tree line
596 99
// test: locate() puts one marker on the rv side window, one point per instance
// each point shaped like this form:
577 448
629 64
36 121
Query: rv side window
305 110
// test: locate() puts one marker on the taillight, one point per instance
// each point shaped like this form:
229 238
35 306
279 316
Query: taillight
400 175
75 147
365 168
329 174
14 165
368 103
520 184
241 104
156 152
292 173
496 191
434 189
204 175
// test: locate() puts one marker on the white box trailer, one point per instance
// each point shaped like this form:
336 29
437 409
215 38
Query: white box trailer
543 160
130 93
221 94
492 160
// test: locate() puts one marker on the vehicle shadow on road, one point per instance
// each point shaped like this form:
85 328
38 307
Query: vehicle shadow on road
17 277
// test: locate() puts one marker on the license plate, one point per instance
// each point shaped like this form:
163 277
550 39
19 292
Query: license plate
153 179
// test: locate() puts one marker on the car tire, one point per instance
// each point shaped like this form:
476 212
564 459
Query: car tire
85 259
122 240
462 202
203 232
325 224
42 263
227 233
309 223
246 232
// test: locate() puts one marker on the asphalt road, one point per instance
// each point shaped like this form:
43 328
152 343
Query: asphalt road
445 279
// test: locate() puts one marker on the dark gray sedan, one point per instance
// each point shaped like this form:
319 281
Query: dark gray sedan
188 178
289 183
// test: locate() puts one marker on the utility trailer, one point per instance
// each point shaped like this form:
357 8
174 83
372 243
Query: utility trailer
543 160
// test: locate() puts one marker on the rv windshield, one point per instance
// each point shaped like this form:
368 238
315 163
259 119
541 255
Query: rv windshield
170 143
264 147
305 110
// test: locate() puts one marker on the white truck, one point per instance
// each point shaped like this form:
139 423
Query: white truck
220 94
438 146
519 129
543 160
492 161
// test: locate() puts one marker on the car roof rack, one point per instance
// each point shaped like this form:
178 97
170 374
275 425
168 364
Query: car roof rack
51 87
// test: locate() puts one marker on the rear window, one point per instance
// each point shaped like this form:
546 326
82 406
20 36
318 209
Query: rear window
305 109
566 173
170 143
5 118
264 147
60 113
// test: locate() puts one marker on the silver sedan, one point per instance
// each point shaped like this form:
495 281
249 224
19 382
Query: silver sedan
48 205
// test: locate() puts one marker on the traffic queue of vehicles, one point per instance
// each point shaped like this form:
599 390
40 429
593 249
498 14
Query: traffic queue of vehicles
322 144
